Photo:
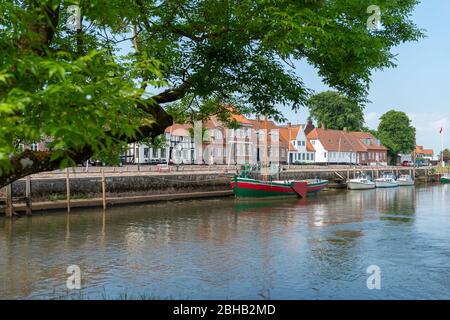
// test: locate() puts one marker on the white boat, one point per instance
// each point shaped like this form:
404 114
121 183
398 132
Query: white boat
405 180
360 183
387 180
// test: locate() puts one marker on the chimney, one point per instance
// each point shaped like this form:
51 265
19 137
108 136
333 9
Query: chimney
289 125
257 117
345 129
324 127
309 127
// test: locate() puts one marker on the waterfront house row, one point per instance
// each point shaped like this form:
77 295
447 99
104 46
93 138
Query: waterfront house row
287 144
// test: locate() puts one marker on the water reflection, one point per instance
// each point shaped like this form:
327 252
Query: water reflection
318 247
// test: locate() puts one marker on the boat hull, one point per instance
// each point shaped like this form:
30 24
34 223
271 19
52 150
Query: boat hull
402 183
386 184
445 180
351 185
314 187
251 188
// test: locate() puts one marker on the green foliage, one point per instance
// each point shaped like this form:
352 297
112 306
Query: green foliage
446 155
158 142
371 131
83 88
396 133
336 111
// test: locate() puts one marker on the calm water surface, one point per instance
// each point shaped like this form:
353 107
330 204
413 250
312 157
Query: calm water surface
316 248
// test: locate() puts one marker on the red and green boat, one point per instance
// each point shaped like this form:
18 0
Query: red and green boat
315 185
252 188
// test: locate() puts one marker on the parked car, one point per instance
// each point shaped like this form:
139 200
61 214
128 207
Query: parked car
423 163
407 164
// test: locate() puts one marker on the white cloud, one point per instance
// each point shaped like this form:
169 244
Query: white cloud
428 126
430 122
372 119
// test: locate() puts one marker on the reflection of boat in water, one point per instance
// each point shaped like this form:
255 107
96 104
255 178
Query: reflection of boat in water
267 204
445 178
362 182
253 188
405 180
387 180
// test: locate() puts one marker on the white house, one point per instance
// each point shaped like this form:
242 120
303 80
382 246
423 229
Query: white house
300 149
344 147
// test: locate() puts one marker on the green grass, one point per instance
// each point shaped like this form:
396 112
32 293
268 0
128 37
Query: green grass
441 170
80 295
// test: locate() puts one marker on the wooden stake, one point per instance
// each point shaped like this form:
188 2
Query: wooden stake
103 189
266 146
68 189
28 195
9 204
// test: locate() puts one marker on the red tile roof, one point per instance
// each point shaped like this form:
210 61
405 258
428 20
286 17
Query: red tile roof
345 141
179 129
289 134
309 146
421 150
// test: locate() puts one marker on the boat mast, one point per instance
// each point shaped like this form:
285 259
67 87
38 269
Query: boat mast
266 144
442 148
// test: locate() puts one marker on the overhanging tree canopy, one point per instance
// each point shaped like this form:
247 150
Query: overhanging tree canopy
77 88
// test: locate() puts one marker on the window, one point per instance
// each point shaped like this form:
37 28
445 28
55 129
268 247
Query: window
146 152
163 153
325 155
155 152
313 142
303 157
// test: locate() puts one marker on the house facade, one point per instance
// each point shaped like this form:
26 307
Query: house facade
287 144
345 147
421 153
300 149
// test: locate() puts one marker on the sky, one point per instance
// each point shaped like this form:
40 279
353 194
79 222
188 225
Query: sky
419 85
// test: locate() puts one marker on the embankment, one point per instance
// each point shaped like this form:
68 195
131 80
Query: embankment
49 190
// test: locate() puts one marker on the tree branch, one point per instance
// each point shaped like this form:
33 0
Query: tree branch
31 162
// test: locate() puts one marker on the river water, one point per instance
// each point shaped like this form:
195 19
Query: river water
315 248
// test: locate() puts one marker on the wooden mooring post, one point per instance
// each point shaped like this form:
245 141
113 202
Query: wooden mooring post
28 195
103 189
68 189
9 209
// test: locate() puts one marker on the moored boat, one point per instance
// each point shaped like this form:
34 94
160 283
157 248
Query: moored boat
253 188
360 183
445 178
387 180
315 185
405 181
